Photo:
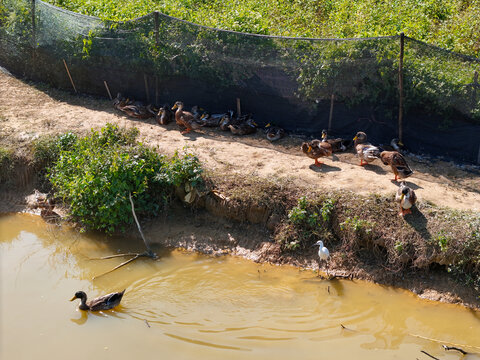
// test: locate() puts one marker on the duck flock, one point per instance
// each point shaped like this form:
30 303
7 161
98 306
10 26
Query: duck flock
198 118
368 153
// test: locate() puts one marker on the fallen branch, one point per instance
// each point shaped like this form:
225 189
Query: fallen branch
148 253
433 357
454 348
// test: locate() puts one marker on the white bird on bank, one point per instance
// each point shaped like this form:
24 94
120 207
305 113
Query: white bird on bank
323 254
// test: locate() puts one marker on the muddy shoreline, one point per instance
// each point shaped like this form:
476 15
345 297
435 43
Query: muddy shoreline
200 230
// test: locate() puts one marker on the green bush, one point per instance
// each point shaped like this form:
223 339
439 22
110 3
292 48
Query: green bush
96 175
308 221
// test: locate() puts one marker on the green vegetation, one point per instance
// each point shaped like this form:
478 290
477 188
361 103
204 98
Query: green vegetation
306 222
95 175
452 24
7 163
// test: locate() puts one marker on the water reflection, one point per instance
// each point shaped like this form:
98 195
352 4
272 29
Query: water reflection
193 306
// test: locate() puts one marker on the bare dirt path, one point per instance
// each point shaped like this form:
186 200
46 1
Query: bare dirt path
28 111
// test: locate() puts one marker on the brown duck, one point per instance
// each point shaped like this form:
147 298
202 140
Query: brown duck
185 119
338 144
104 302
397 162
316 149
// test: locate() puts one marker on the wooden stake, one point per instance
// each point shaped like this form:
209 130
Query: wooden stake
331 113
156 91
108 90
239 109
400 87
70 76
146 87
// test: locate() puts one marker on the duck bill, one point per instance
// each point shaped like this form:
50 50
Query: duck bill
355 138
174 107
73 298
324 136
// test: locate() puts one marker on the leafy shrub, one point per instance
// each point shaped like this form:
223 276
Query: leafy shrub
7 162
96 175
307 222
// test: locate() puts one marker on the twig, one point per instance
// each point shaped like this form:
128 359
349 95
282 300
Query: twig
146 322
118 266
148 253
139 228
433 357
445 342
454 348
113 256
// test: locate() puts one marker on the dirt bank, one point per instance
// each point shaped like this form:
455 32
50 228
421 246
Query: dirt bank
28 111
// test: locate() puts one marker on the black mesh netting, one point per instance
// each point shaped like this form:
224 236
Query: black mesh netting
287 81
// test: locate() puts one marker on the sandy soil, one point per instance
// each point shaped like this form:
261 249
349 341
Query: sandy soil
27 112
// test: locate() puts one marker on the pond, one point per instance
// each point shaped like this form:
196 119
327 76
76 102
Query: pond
187 305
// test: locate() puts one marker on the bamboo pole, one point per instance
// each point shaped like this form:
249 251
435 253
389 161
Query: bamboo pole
331 113
156 91
400 87
108 90
70 76
239 108
146 87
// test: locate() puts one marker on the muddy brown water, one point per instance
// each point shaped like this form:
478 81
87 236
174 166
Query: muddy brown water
186 305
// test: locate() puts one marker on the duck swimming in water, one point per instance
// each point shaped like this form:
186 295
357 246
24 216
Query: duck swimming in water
105 302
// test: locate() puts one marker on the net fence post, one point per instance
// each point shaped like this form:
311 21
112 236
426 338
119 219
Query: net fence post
400 87
156 44
332 99
34 39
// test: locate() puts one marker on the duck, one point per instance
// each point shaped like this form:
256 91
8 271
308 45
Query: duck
185 119
138 111
395 145
105 302
120 101
338 144
398 164
243 128
214 120
198 112
406 198
228 120
316 149
366 151
274 133
164 115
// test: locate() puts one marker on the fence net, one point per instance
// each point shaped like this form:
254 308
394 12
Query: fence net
291 82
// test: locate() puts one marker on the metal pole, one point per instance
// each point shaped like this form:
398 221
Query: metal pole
400 87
